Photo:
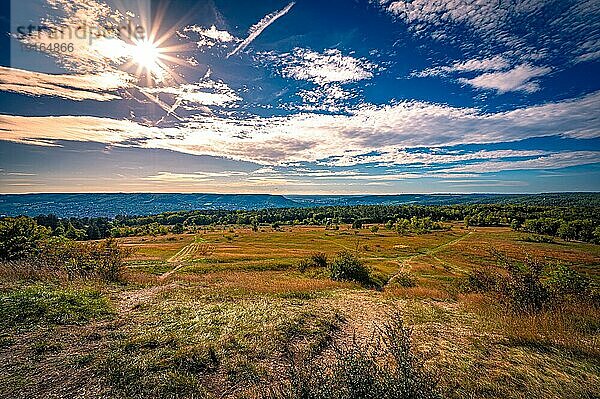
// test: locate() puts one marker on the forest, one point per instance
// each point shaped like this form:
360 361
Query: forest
566 222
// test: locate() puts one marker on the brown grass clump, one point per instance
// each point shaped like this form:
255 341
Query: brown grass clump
574 328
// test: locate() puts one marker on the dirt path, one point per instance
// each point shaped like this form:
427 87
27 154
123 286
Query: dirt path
430 252
129 300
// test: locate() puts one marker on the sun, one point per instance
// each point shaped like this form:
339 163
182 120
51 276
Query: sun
147 55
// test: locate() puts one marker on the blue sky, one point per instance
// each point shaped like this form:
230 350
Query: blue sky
306 97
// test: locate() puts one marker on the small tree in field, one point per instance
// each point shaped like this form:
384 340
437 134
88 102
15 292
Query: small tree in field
347 267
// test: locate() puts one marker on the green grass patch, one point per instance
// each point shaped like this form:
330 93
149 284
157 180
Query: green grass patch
51 305
152 267
185 342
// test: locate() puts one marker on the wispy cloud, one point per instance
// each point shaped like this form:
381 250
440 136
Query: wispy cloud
259 27
312 136
98 87
393 156
47 130
557 29
496 63
206 92
517 79
552 161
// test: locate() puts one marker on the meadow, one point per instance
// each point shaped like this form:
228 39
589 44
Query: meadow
236 312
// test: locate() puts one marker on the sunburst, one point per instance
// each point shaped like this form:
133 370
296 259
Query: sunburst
148 56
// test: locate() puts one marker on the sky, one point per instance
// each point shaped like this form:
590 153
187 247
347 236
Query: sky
304 97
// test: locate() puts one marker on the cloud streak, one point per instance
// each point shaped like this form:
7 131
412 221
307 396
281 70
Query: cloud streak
259 27
78 87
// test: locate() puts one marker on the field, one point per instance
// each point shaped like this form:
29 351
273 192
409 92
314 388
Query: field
216 314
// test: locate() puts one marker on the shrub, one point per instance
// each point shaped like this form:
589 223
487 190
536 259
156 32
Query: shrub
565 284
484 279
317 259
109 258
532 285
303 265
66 259
404 279
384 367
347 267
19 237
524 286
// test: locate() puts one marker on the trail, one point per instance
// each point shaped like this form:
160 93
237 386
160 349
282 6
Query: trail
430 252
179 258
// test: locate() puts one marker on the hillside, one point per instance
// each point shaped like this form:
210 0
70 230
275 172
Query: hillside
110 205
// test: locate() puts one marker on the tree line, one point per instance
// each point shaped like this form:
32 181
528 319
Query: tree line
570 223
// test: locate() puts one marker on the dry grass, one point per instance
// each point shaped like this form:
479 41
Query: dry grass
267 282
572 328
243 300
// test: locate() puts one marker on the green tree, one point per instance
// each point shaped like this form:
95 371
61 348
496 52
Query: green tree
19 237
357 224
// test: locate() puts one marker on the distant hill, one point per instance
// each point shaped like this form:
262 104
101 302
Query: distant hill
110 205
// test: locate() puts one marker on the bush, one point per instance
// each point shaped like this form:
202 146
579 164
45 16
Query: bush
66 259
19 237
532 285
565 284
347 267
524 286
109 258
484 279
404 279
386 367
317 259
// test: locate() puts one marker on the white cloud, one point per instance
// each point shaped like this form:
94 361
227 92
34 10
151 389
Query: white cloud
310 136
171 177
330 98
47 130
555 28
393 156
209 37
517 79
205 92
322 68
591 56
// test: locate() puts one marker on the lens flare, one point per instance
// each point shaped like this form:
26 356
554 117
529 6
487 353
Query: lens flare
147 55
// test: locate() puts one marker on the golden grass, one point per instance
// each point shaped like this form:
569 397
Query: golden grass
264 282
245 292
572 328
